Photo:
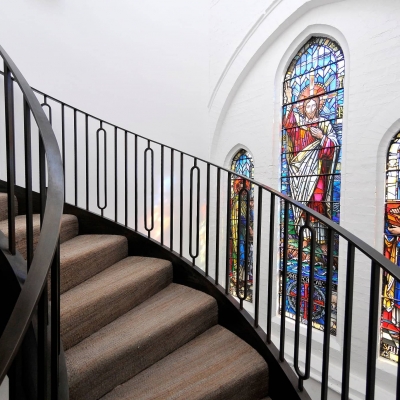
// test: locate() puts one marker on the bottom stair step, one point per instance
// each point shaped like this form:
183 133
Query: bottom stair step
215 365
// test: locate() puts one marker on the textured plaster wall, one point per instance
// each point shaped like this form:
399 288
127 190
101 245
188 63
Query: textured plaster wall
244 108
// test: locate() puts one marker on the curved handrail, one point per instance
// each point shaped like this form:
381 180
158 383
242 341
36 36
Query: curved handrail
21 316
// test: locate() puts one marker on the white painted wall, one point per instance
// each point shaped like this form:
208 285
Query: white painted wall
244 103
153 66
142 65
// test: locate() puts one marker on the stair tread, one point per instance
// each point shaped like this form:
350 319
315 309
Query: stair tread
86 255
69 229
85 308
4 206
215 365
138 339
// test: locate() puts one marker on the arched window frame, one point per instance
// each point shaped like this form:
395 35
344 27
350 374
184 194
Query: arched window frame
305 83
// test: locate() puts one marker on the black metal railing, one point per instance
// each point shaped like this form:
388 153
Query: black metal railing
32 155
184 203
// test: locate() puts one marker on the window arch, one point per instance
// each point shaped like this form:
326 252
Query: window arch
390 314
312 113
241 192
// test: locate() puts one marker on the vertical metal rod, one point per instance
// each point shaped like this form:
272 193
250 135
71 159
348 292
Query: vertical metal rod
116 173
63 142
149 150
228 233
217 226
372 331
171 210
258 259
328 309
270 266
195 254
348 318
28 184
42 345
208 220
76 157
10 144
162 195
87 159
136 182
42 178
126 178
284 278
181 208
101 129
55 322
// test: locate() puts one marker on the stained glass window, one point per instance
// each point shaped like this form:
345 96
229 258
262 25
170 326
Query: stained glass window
390 314
310 166
242 216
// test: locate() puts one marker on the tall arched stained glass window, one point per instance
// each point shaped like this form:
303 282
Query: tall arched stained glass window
390 315
312 114
242 215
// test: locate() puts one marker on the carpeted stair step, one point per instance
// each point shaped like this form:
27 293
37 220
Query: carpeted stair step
137 340
215 365
69 229
86 255
4 206
86 308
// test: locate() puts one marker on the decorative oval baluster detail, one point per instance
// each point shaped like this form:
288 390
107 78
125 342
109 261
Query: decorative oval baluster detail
196 254
146 152
101 129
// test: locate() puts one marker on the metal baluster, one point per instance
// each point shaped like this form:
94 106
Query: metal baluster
171 210
328 309
162 195
87 159
258 259
217 226
372 331
284 278
55 322
76 158
136 182
116 173
28 184
101 129
63 142
181 209
126 178
10 143
246 244
348 318
270 266
196 254
208 220
228 233
149 149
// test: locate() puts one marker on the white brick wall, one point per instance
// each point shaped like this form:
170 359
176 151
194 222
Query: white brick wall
245 109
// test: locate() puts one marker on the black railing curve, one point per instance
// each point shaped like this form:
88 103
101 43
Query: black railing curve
46 255
206 192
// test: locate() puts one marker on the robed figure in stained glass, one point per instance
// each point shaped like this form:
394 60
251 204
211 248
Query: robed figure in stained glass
390 317
242 218
313 150
310 167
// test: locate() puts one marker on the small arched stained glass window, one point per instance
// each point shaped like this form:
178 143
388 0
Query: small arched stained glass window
390 314
241 227
312 113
